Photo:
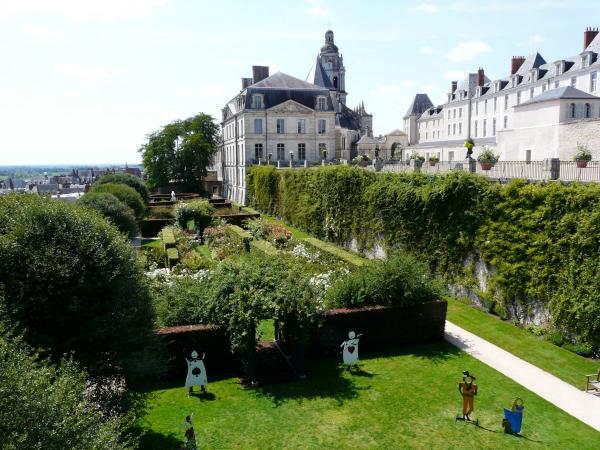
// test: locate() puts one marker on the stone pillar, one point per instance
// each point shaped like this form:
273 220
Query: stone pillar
415 165
551 168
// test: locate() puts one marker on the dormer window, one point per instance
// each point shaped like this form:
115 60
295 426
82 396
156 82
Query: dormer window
257 101
514 81
559 68
321 104
533 76
585 61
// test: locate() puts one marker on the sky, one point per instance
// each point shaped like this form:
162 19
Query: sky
84 81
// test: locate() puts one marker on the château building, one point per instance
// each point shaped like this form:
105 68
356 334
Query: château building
281 119
541 109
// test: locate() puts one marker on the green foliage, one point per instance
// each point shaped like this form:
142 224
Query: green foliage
200 211
43 406
129 180
275 233
125 194
400 280
543 240
335 251
161 212
583 153
487 155
71 283
167 235
181 151
109 206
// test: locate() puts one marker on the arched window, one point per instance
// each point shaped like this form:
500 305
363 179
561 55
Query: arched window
572 110
588 110
335 82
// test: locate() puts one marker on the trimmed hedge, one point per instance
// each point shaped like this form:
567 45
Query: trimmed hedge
266 247
382 327
336 251
200 211
180 341
129 180
125 194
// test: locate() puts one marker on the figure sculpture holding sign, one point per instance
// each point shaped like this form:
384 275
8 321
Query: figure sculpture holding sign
196 375
468 390
350 349
173 196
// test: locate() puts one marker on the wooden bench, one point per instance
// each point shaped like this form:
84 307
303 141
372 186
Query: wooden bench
593 382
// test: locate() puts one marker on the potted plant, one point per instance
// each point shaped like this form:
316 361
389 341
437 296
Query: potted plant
487 159
583 156
418 159
469 144
362 160
433 160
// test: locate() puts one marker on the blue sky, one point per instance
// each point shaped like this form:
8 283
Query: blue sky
84 81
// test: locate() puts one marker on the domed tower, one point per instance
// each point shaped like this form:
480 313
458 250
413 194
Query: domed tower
329 71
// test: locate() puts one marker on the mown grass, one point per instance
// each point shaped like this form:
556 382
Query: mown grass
558 361
404 399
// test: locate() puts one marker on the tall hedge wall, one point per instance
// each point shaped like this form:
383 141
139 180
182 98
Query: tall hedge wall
542 239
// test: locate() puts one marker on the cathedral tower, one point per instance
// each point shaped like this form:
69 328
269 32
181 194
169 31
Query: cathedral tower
329 71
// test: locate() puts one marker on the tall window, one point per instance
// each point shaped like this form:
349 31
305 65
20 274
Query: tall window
426 135
484 130
301 126
505 102
280 152
258 126
485 106
475 129
531 92
593 81
257 102
451 156
573 81
448 129
321 105
505 121
588 110
476 108
494 126
518 98
322 126
528 156
556 84
301 152
495 103
459 112
322 148
460 128
280 126
258 151
572 110
454 129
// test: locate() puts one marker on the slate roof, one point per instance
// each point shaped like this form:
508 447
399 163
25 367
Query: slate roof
419 104
532 62
348 119
282 80
562 93
318 76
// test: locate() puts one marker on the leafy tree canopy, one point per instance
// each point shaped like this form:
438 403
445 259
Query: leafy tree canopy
180 152
125 194
129 180
109 206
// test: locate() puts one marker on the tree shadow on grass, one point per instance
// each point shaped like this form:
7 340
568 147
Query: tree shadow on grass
436 352
326 380
150 440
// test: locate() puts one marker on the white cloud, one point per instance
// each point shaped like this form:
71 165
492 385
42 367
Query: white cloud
454 75
476 6
316 9
82 10
42 33
426 50
465 51
211 90
537 38
87 71
426 8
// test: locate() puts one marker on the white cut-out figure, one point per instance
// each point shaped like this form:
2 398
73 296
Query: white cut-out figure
196 375
173 196
350 349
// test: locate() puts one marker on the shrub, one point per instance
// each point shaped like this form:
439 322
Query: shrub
72 283
487 155
45 406
200 211
125 194
400 280
161 212
129 180
276 233
109 206
583 153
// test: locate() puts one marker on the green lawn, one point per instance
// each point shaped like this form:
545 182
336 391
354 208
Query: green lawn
156 244
562 363
406 399
204 250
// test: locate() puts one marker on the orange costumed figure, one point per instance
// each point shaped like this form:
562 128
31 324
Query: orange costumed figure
468 390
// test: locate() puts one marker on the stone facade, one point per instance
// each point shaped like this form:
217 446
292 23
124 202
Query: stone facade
493 113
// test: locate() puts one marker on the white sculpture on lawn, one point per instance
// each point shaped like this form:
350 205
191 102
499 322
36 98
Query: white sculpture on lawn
196 375
350 349
173 196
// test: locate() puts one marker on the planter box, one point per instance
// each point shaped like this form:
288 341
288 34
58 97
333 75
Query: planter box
486 165
432 163
383 327
581 164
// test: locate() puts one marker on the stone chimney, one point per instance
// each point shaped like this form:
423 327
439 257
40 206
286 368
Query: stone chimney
259 73
516 62
246 82
453 87
480 77
588 36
